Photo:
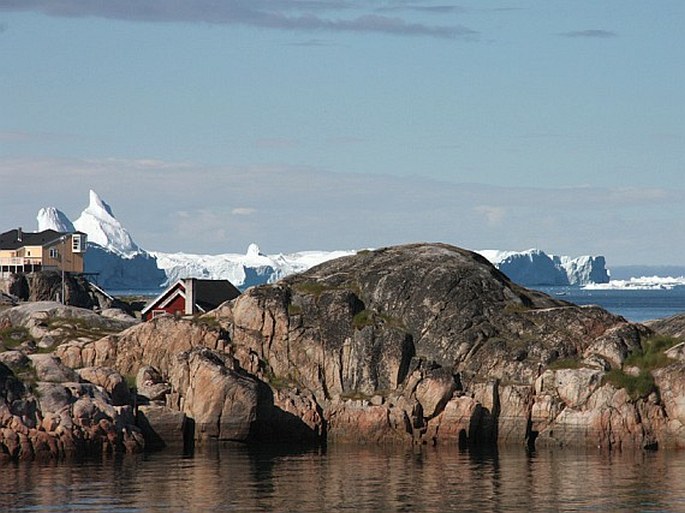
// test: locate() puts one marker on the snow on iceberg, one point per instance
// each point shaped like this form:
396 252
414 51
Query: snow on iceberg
584 269
641 283
103 229
121 264
112 255
536 268
252 268
50 218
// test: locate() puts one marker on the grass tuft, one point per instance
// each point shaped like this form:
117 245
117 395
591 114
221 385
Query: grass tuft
313 288
639 386
363 319
565 363
652 354
294 309
14 336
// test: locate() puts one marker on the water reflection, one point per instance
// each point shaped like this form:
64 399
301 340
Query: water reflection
344 478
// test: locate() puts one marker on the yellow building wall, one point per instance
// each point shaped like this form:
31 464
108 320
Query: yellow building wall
39 255
33 253
72 262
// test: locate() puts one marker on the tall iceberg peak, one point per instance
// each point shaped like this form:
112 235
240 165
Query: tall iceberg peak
98 221
49 218
98 207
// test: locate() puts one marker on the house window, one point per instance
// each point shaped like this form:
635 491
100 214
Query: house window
54 253
77 243
28 252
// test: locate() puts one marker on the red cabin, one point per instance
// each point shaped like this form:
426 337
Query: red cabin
190 296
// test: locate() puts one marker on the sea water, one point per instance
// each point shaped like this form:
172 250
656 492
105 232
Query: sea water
353 479
370 479
635 305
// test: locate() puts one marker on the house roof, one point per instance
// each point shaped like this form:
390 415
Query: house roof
208 294
211 293
15 239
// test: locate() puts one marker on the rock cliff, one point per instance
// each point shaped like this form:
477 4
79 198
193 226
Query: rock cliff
431 343
424 343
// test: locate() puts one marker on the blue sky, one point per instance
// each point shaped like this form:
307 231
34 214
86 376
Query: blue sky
341 124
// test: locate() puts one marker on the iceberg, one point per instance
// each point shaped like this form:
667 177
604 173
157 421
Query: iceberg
50 218
121 264
641 283
103 229
252 268
534 267
112 255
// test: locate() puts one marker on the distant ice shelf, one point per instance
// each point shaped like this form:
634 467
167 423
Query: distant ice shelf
641 283
121 264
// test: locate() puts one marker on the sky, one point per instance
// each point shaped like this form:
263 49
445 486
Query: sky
346 124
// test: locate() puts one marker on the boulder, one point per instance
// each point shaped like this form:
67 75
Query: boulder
673 326
14 359
15 286
150 384
60 420
458 423
671 385
359 421
39 314
434 390
220 398
110 380
50 368
163 427
422 343
288 416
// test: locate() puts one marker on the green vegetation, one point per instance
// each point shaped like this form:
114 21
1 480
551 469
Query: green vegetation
294 309
368 317
291 380
12 336
363 319
208 322
637 386
74 327
565 363
515 308
355 395
652 354
314 288
130 380
393 322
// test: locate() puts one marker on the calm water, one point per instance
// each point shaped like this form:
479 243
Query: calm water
369 479
352 479
634 305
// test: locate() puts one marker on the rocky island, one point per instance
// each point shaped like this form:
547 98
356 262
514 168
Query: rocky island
414 344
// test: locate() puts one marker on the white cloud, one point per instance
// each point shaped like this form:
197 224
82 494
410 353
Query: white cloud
243 211
493 215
